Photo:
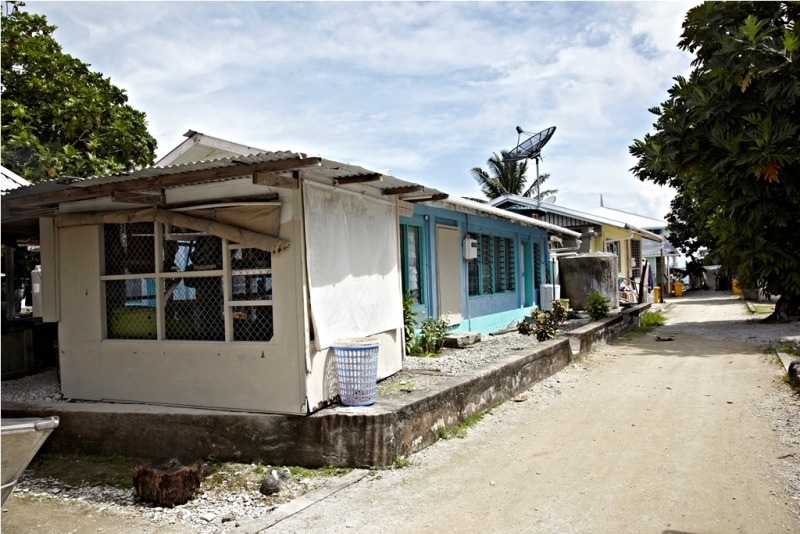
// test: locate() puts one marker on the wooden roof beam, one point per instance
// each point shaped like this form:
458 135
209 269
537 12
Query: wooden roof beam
402 190
158 182
364 178
277 180
269 197
138 197
28 213
415 200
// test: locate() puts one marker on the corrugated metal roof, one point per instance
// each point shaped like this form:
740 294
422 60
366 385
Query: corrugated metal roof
497 213
588 217
65 183
10 180
635 219
329 169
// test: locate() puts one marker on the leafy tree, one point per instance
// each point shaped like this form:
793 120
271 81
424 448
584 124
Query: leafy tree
58 117
728 140
507 178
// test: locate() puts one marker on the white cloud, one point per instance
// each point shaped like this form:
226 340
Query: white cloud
429 90
233 22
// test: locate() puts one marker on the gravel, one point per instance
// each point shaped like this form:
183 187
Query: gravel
41 387
220 510
214 511
456 361
783 409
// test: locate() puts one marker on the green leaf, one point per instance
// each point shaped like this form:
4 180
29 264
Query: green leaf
52 101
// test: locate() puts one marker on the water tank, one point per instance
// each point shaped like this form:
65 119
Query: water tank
585 273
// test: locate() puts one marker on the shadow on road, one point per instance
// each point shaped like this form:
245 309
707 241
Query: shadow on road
683 345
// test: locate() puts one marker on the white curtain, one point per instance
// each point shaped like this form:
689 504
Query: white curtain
351 243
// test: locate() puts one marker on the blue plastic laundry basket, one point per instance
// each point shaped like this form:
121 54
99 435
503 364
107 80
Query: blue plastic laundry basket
357 369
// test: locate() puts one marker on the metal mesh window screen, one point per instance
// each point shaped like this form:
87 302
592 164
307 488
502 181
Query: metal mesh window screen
486 265
250 259
129 248
499 267
473 273
252 323
511 271
251 287
130 309
636 253
188 250
194 309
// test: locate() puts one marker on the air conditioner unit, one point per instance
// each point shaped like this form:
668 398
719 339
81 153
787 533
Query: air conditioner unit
470 248
547 294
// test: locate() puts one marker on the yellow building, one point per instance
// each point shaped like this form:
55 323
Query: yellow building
598 234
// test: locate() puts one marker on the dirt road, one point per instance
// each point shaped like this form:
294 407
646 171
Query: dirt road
643 436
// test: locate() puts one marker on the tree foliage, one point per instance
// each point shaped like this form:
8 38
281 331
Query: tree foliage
508 178
58 117
728 140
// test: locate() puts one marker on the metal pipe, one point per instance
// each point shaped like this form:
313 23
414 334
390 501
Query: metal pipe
576 248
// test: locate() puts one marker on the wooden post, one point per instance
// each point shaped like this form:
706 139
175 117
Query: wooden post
9 280
168 482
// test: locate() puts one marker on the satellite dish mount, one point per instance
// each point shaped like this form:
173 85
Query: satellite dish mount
530 148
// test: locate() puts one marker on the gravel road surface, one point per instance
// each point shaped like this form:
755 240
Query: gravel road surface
698 434
692 435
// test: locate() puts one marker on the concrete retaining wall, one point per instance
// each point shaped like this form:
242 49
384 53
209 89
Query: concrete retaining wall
585 339
341 436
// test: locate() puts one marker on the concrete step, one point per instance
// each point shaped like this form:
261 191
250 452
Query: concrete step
459 340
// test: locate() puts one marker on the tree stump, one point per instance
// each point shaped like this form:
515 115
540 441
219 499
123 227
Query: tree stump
168 482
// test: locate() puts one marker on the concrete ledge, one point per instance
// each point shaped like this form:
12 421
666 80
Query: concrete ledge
585 339
370 436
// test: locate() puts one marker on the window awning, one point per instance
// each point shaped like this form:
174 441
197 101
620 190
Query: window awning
250 226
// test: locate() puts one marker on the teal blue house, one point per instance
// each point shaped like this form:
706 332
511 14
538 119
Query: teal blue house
476 266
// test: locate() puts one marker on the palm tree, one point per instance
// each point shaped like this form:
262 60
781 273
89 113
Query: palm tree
507 177
531 191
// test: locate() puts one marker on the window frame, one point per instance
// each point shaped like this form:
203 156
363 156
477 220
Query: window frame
498 260
159 276
405 278
636 257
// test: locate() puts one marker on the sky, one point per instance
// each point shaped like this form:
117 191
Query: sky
425 91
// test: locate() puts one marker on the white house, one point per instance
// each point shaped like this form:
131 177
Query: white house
219 282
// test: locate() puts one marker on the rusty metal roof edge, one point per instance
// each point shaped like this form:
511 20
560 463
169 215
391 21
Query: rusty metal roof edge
149 172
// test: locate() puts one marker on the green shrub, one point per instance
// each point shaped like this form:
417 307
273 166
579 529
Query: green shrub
544 326
545 331
560 312
525 328
597 306
652 319
409 319
432 334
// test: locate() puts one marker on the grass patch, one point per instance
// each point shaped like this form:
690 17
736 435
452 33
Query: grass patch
426 355
116 471
240 478
764 308
401 462
790 351
395 389
794 384
460 430
652 319
326 471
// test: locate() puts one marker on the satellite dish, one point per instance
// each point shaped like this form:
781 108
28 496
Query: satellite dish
531 147
550 200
